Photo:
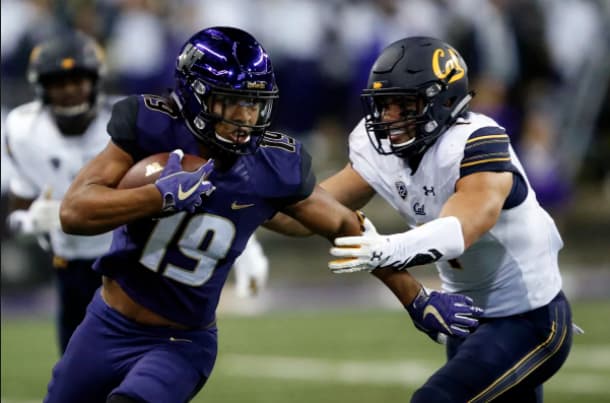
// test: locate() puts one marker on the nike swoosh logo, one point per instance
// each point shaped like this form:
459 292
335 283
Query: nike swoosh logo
237 206
184 195
431 310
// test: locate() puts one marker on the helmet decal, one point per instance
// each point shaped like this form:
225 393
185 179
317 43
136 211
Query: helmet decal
68 63
189 56
452 61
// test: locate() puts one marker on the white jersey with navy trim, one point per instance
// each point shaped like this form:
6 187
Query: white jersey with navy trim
513 268
47 161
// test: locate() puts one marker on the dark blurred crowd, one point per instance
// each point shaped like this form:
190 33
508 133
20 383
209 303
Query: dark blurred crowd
540 67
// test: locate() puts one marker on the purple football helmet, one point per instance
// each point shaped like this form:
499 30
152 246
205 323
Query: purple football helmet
227 66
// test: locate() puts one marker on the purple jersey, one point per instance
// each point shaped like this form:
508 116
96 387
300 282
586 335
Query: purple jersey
176 266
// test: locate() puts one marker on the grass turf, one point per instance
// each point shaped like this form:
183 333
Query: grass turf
333 356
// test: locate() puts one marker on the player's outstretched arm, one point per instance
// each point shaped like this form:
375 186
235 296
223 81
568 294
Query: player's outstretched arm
470 212
92 205
321 214
346 186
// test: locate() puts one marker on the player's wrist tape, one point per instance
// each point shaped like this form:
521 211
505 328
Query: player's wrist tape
440 239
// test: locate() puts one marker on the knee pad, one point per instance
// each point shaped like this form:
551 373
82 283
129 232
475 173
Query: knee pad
120 399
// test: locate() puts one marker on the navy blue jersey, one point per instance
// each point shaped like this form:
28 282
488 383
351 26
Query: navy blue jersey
176 266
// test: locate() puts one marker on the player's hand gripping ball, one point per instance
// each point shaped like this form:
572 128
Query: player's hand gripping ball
181 178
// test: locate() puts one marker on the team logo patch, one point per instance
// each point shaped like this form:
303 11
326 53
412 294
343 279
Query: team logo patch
419 209
401 188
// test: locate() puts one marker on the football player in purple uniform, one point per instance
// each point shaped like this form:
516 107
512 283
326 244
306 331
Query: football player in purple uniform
150 334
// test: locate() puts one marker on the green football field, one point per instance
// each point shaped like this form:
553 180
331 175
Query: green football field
333 356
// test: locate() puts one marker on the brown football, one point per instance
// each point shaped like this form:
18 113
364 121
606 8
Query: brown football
147 170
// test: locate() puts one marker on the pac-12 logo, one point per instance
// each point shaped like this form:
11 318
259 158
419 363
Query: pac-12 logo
444 62
401 188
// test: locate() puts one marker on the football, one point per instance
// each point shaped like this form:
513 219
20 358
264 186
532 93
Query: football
147 170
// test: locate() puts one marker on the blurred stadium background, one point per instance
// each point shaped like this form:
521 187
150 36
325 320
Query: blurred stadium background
540 67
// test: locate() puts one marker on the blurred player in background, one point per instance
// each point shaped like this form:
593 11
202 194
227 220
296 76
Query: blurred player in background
150 335
251 270
454 177
49 140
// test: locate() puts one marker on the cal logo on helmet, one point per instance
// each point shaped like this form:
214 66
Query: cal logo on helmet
443 62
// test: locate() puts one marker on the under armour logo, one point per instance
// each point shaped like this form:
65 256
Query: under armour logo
376 256
428 192
402 189
419 209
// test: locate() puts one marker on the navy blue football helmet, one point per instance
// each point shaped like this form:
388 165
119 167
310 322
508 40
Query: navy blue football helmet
428 78
69 54
227 66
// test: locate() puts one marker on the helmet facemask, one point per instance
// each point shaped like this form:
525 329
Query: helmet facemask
425 113
217 114
72 115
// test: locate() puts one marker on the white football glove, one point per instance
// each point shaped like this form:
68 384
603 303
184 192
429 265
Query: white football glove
438 239
359 253
42 217
251 270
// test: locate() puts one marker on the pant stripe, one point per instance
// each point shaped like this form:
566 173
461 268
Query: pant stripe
527 364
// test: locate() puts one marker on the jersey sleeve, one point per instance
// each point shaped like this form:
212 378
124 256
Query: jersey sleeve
122 126
302 187
488 150
282 170
308 181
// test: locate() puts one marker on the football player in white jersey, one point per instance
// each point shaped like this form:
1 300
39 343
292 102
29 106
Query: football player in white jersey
49 140
454 177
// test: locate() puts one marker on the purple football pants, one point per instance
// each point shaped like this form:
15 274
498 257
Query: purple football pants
110 354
